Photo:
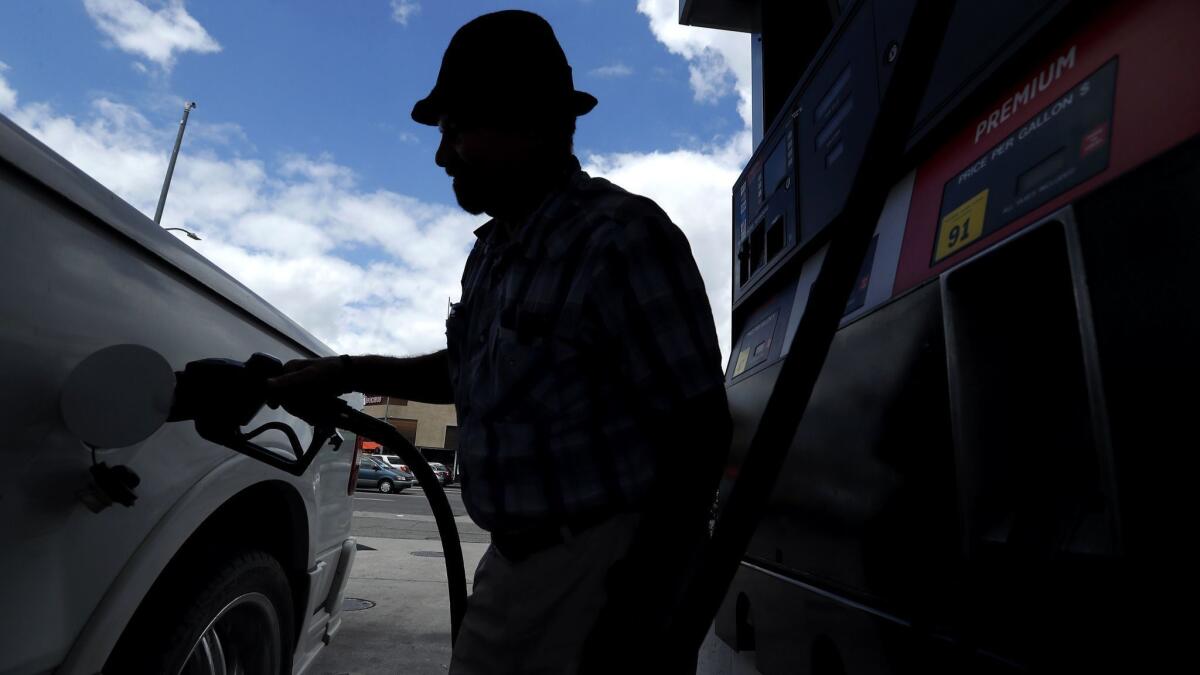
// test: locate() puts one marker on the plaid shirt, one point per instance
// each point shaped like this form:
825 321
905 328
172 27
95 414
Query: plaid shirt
572 340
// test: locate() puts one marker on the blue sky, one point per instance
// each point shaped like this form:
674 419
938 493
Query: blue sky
301 167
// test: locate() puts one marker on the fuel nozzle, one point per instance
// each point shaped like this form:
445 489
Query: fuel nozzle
223 395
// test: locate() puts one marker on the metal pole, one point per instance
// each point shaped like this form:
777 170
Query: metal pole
162 198
189 233
387 417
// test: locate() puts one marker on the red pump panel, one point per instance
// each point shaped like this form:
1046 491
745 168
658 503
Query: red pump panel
1042 143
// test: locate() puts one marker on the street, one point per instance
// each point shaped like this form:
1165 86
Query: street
407 516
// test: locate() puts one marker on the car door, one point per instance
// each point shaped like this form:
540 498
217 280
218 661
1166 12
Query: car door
368 472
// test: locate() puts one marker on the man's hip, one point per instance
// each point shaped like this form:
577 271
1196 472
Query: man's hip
537 597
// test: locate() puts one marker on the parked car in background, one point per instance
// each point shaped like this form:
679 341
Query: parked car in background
441 472
398 464
395 462
216 544
375 473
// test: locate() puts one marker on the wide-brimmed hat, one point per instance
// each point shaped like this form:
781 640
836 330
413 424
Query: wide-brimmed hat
505 65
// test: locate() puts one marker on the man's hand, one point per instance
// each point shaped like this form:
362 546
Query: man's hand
307 379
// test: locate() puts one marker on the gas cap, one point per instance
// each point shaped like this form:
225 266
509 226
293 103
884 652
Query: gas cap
118 396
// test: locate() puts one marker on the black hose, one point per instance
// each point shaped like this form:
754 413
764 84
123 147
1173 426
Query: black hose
385 434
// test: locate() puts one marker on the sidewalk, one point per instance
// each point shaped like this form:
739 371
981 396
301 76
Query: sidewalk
408 628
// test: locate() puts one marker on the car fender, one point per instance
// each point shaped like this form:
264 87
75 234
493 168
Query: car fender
104 627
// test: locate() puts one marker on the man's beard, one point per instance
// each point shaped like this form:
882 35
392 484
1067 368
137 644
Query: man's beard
471 195
495 192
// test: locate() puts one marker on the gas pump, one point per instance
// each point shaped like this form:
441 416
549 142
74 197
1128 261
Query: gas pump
975 475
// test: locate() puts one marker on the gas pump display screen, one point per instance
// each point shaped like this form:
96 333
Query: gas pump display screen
776 169
1045 170
1064 144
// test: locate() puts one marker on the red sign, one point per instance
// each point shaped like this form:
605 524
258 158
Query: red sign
1094 140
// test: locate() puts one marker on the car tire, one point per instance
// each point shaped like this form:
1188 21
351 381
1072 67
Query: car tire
241 610
386 486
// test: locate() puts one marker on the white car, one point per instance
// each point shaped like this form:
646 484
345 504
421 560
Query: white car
440 470
395 462
219 554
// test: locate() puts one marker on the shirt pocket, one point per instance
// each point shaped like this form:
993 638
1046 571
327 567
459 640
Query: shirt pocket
537 362
524 375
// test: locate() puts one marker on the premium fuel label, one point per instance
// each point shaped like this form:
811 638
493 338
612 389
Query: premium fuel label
1060 146
962 226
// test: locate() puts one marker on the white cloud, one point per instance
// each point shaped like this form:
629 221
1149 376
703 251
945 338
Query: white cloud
218 133
718 61
8 97
290 230
613 70
154 34
402 10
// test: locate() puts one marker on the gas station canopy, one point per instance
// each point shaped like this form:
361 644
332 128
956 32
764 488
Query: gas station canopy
744 16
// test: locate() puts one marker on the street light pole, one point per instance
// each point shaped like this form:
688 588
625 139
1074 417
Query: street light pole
162 198
189 233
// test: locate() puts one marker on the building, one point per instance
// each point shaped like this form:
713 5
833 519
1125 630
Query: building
433 429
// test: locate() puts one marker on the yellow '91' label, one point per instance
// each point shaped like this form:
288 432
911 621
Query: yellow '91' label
961 226
743 356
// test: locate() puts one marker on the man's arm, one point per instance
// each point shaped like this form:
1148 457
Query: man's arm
417 378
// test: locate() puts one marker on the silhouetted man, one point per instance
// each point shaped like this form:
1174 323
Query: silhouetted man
584 366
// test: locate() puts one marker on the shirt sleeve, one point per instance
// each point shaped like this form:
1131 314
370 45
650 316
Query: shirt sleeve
654 312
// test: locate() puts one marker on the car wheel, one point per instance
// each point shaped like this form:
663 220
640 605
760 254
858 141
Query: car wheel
235 619
385 486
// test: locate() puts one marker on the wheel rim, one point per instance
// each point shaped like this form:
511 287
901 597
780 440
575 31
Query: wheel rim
385 486
242 639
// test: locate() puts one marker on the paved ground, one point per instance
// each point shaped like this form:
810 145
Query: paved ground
407 516
399 568
404 624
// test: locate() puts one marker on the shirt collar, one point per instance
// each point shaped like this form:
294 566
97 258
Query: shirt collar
536 232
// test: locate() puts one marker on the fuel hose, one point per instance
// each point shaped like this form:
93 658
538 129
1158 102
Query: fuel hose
386 435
